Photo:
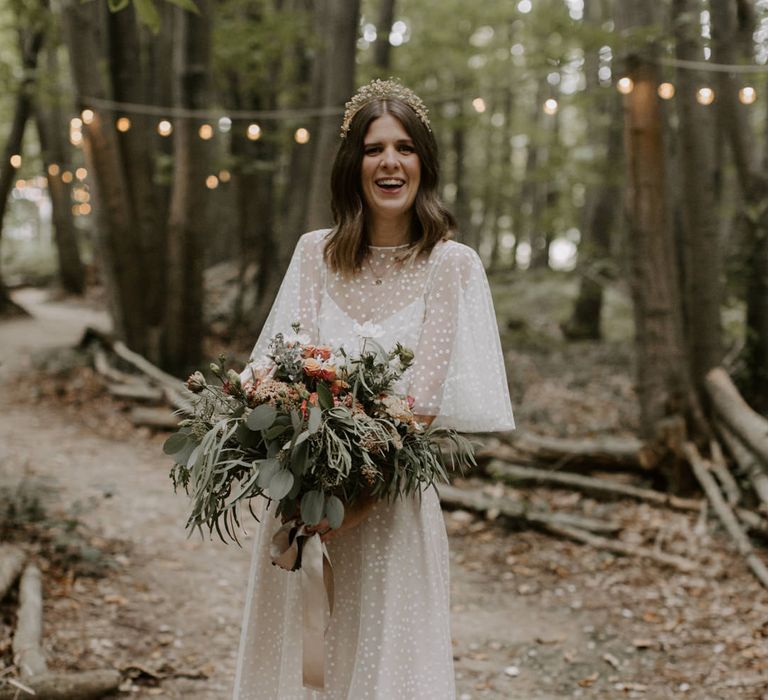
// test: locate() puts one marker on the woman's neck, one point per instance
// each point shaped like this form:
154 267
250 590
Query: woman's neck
389 232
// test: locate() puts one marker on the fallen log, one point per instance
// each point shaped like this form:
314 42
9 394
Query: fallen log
11 564
136 392
723 475
82 685
626 452
27 649
479 502
515 474
614 545
747 424
158 418
724 512
748 464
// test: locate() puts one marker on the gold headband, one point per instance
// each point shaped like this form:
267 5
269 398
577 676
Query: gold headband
381 90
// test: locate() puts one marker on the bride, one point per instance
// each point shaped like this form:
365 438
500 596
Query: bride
387 269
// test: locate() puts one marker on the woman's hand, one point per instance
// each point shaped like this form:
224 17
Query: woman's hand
353 516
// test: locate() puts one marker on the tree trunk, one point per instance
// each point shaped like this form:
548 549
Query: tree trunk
461 203
183 327
601 209
119 242
701 256
662 379
754 185
30 48
49 120
382 49
342 19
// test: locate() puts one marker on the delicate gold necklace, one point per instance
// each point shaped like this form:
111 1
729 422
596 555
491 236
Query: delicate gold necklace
378 279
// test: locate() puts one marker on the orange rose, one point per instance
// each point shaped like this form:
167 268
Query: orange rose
312 367
323 351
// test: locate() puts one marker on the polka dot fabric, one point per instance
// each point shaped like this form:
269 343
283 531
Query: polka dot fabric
389 637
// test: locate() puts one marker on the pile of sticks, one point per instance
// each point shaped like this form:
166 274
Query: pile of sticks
743 432
33 677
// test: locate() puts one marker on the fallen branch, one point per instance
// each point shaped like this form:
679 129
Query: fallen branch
723 475
748 425
136 392
479 502
158 418
613 545
626 452
727 518
27 649
515 474
11 563
82 685
749 465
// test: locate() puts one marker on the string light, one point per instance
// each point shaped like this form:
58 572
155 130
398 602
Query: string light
625 85
20 184
551 106
81 174
705 96
66 176
85 208
225 124
87 116
206 132
479 104
301 135
164 128
666 91
253 132
15 160
76 123
224 175
53 169
211 182
747 95
123 124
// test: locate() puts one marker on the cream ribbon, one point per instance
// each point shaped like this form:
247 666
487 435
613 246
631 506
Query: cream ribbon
294 548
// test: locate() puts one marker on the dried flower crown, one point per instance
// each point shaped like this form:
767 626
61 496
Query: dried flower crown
381 90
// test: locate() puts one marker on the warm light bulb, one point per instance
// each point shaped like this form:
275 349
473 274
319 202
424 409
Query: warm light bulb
66 176
666 91
20 184
747 95
75 123
85 208
123 124
211 182
254 131
81 173
301 135
87 116
479 104
625 85
224 175
75 137
205 132
164 128
551 106
76 209
705 96
16 160
53 170
225 124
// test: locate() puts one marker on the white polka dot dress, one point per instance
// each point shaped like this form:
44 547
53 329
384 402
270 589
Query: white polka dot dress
389 636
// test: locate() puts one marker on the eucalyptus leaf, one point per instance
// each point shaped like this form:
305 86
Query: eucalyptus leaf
315 419
261 417
276 430
334 511
175 444
267 469
312 505
324 396
280 484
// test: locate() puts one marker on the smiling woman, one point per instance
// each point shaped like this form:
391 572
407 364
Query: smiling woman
387 264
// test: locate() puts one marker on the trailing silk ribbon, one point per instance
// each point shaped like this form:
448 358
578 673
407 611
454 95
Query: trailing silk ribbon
294 548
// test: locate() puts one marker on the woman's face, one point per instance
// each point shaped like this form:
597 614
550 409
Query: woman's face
391 169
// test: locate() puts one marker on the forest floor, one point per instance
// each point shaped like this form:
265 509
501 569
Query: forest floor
533 616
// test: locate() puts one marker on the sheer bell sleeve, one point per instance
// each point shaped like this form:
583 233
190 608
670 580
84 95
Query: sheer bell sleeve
297 300
458 373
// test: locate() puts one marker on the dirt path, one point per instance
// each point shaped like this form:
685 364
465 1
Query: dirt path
532 617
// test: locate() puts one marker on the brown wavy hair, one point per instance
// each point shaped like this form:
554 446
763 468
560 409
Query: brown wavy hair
431 222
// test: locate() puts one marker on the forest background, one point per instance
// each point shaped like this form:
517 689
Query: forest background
606 158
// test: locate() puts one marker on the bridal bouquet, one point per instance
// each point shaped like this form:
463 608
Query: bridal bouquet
311 428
